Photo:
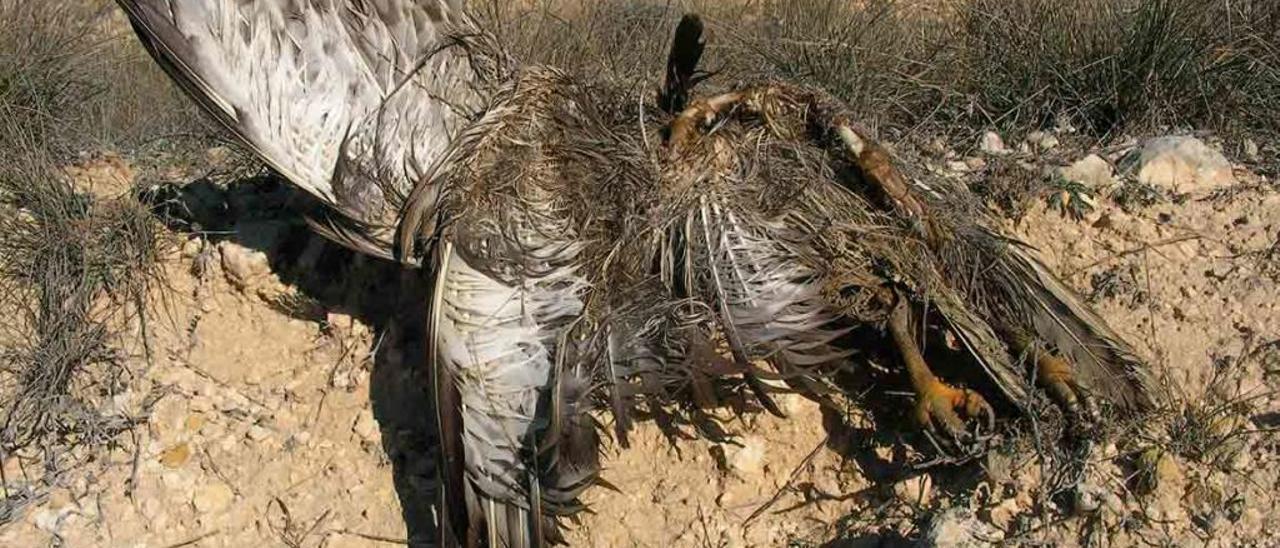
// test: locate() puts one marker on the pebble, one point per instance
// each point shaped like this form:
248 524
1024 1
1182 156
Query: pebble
991 143
212 498
242 265
1041 140
367 429
257 433
916 490
750 458
176 456
1002 514
1091 171
1251 151
958 528
1180 164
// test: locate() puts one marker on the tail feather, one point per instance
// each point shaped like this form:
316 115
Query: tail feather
496 389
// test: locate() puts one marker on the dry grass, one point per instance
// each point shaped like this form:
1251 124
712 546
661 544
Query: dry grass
1104 66
75 269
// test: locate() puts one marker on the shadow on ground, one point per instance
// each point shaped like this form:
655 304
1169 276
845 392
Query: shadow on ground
263 214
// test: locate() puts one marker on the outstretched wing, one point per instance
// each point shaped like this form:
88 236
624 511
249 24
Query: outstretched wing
351 100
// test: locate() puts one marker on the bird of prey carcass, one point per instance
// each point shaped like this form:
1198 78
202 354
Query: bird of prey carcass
587 252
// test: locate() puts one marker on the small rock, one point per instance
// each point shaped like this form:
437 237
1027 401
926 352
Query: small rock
957 166
257 433
107 176
212 498
1087 498
748 459
300 439
958 528
231 401
999 467
914 490
242 265
217 155
176 456
1091 171
991 143
50 520
367 429
1180 164
1002 515
150 508
1041 140
1251 151
192 247
975 163
194 422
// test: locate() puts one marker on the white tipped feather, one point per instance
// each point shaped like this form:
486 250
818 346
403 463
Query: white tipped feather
340 97
771 301
492 338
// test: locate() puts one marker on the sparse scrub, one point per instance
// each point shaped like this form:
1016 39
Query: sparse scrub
1103 66
75 269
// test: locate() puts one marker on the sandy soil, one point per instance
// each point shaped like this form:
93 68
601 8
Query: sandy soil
290 412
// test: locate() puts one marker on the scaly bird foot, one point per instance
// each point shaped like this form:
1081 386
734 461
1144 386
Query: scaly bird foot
939 407
1055 375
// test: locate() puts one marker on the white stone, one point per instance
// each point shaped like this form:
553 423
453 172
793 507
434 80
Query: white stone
192 247
1041 140
212 498
991 143
1251 150
1091 171
958 528
916 490
367 428
1002 514
257 433
1180 164
242 265
748 459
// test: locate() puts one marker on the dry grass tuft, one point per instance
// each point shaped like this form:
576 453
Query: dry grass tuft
75 269
1103 66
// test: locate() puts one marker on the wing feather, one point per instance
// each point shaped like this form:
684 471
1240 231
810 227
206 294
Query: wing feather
343 98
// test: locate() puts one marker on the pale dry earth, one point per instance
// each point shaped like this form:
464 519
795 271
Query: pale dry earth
291 412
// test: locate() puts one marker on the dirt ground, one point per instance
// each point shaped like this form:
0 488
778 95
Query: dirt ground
290 410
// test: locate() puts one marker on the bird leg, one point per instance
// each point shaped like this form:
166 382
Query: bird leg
877 168
938 404
1053 372
700 112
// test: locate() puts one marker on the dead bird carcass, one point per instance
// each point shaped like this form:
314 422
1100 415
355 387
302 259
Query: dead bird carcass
589 255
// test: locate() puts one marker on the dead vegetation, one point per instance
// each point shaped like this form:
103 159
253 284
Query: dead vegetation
1106 67
76 268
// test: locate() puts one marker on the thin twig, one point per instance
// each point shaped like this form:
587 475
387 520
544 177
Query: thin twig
1139 249
795 472
369 536
195 539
